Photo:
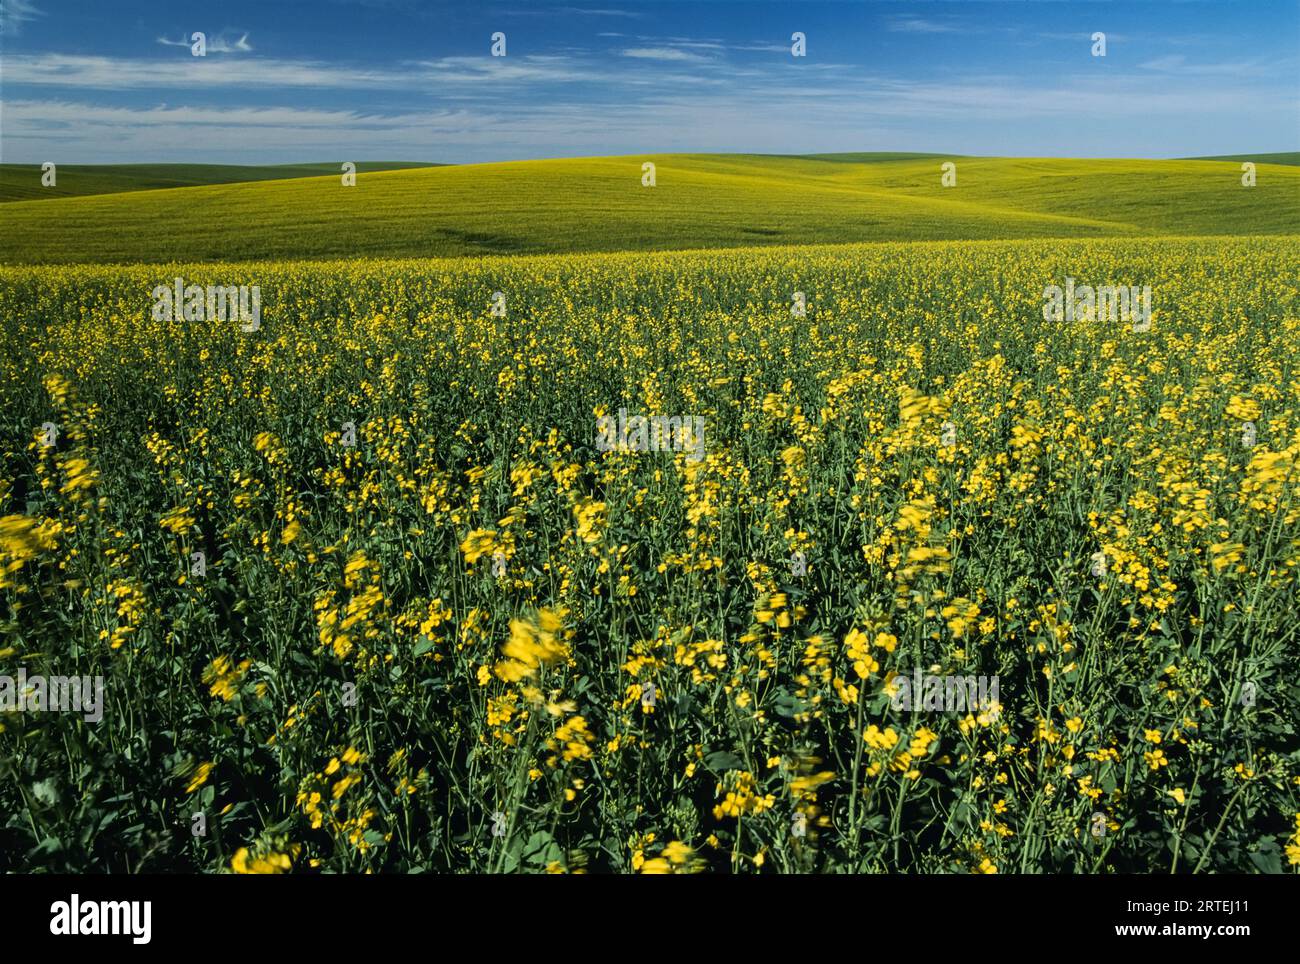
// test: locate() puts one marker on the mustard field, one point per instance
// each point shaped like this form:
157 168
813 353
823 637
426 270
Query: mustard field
657 563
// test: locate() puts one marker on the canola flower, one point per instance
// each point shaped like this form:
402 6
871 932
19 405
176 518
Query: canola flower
534 642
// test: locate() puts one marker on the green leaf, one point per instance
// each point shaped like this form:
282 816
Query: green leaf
722 761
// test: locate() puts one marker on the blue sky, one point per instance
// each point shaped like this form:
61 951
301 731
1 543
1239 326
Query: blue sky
101 81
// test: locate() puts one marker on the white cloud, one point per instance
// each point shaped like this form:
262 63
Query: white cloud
667 94
774 110
588 12
763 47
67 112
220 44
696 44
1178 64
113 73
900 24
15 12
664 54
1170 62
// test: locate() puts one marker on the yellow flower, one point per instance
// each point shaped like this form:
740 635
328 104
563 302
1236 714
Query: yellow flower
225 678
244 862
960 614
80 477
178 520
477 544
678 852
200 777
1246 409
22 538
533 643
343 784
1225 554
879 739
576 739
857 645
590 518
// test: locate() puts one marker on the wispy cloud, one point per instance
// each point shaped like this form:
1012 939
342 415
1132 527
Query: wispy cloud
1170 62
117 73
67 112
1081 36
711 44
1179 64
762 110
663 53
646 85
599 12
902 24
691 44
542 10
220 44
759 46
654 44
121 73
14 13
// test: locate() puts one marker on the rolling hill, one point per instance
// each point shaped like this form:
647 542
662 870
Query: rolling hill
1284 157
699 200
22 182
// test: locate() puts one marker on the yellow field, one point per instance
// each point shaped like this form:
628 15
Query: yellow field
434 625
595 204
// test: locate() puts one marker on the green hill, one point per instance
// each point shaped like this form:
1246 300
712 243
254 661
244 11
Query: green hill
700 200
1285 157
22 182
